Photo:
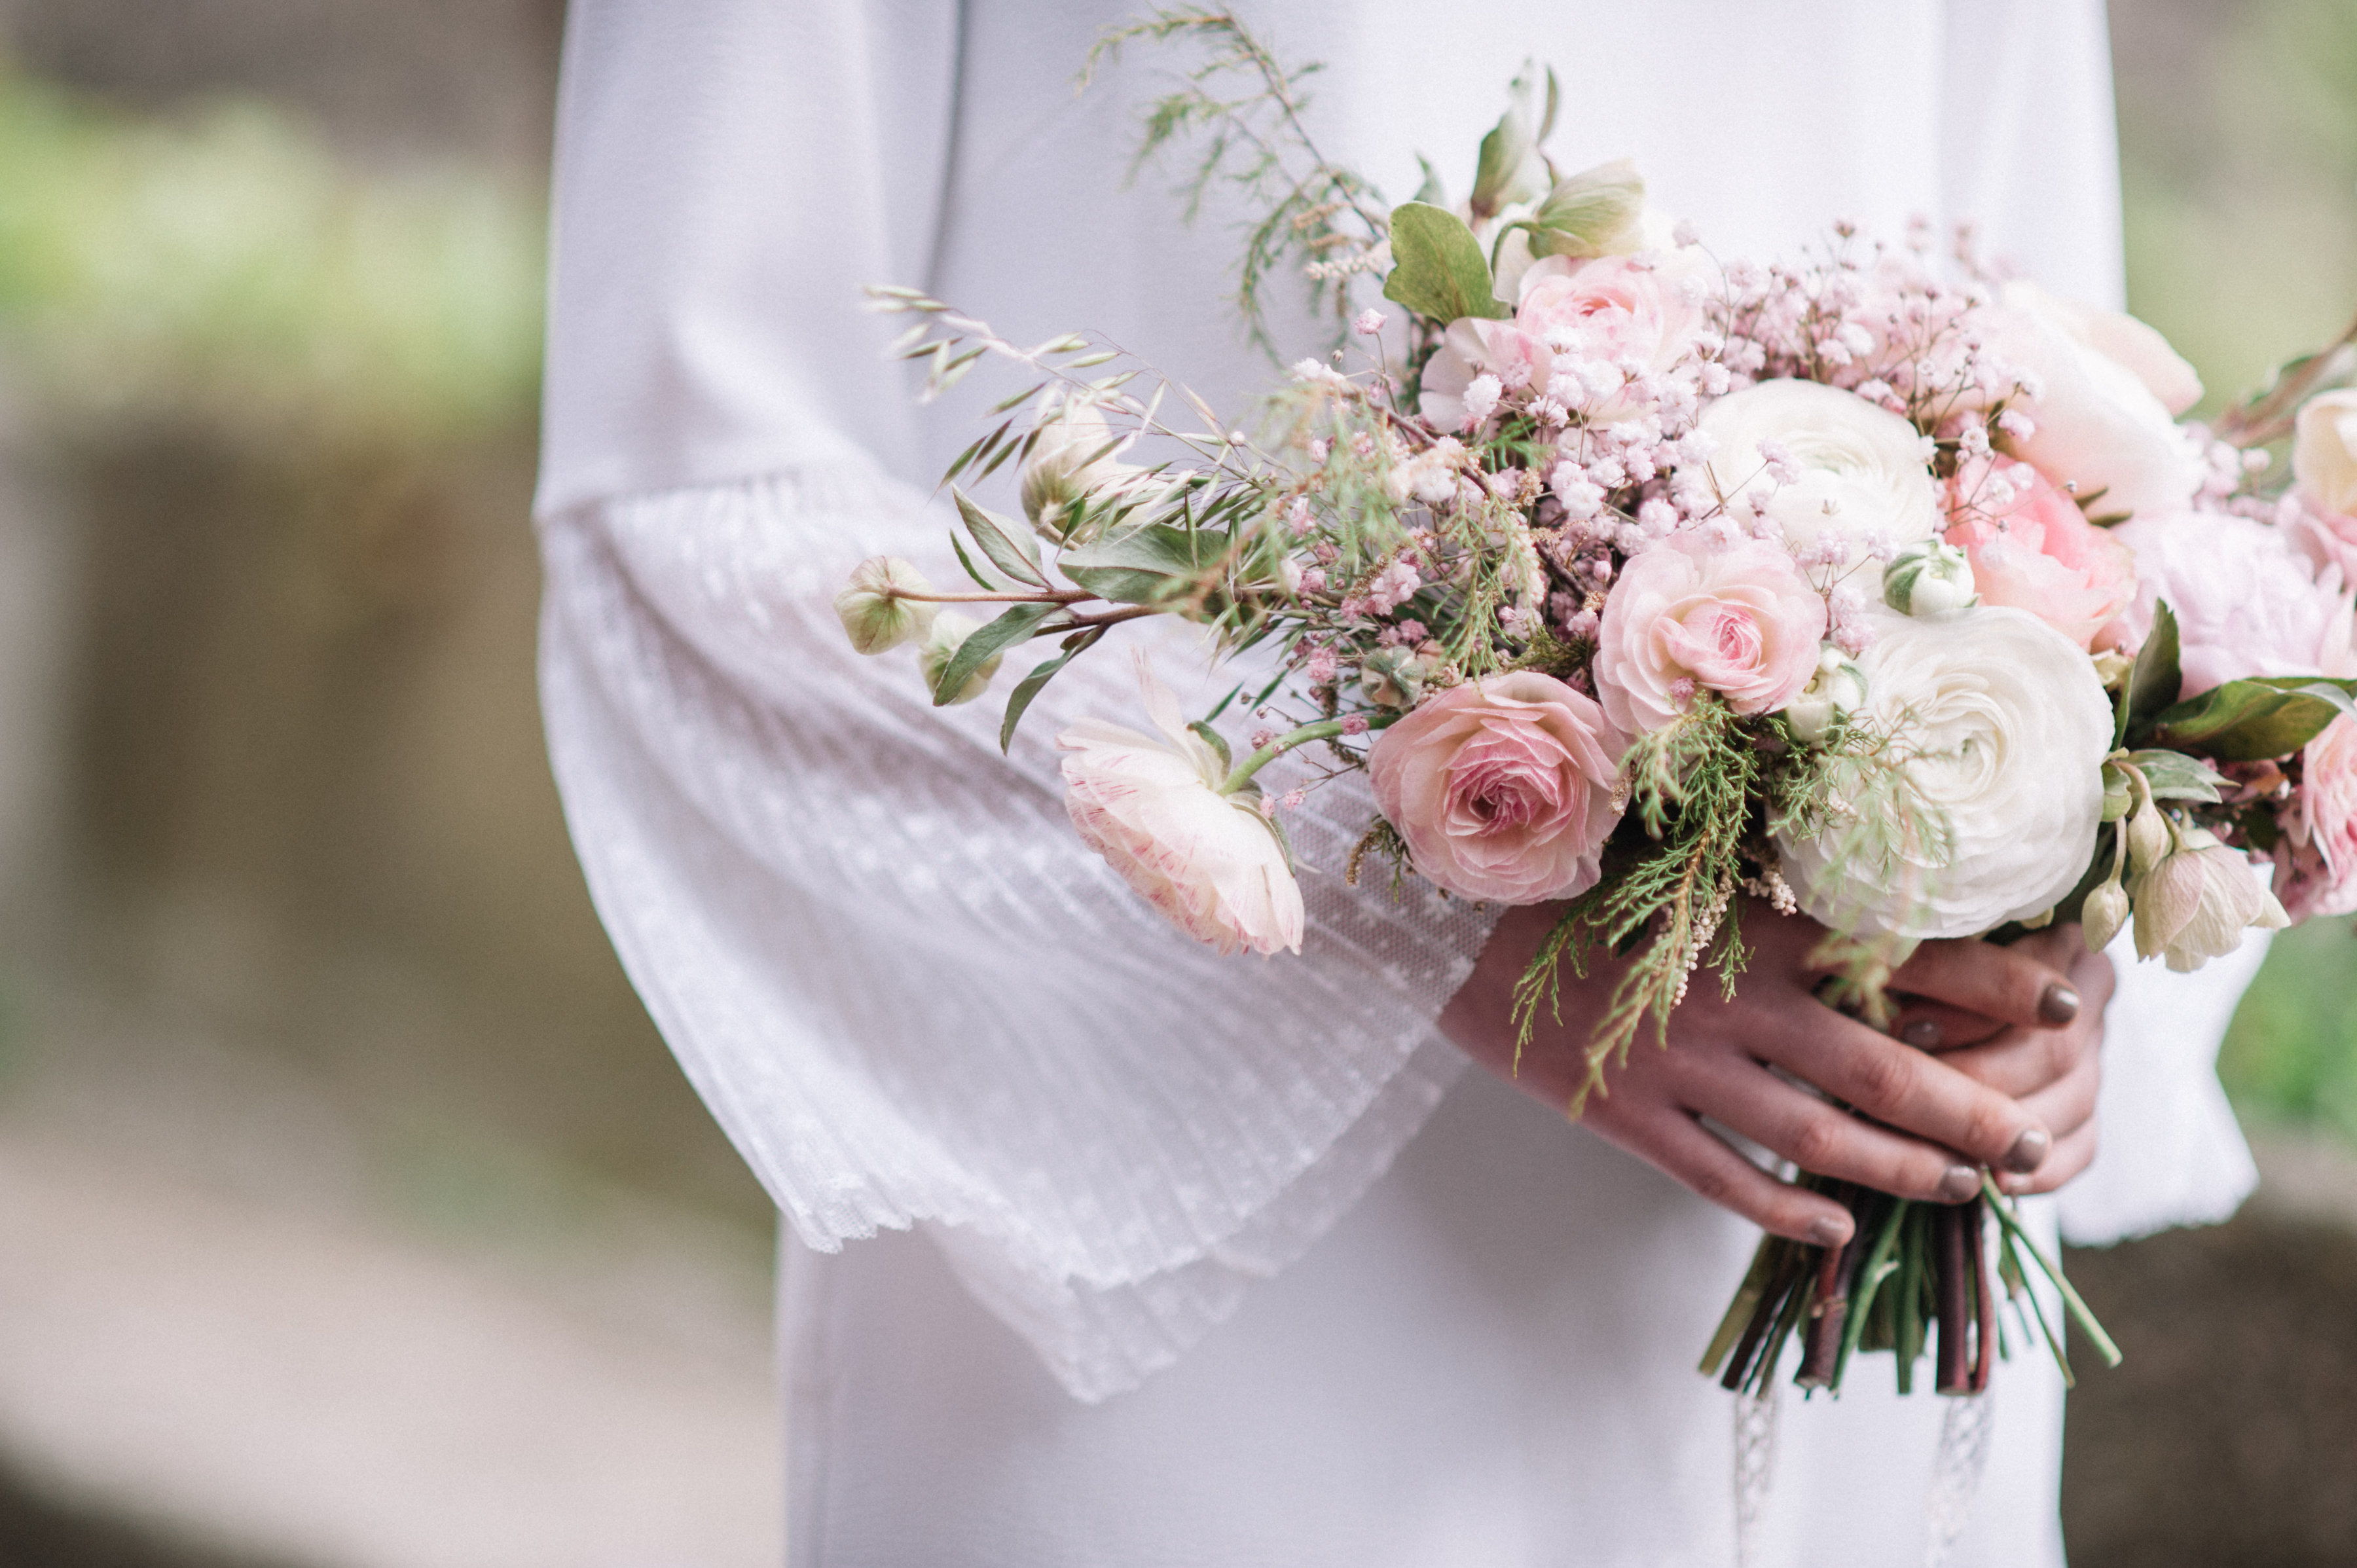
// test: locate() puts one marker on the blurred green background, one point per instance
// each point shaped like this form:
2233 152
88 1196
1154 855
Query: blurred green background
301 999
2238 140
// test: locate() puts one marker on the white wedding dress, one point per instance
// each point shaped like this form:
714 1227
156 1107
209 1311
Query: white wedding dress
1160 1258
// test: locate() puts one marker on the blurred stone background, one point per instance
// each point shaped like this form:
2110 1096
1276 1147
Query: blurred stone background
352 1214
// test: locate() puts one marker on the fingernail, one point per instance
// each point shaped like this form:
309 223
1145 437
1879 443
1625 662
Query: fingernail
1922 1034
2028 1151
2059 1004
1961 1183
1829 1232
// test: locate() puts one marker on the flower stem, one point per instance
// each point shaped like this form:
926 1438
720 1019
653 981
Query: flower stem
1324 729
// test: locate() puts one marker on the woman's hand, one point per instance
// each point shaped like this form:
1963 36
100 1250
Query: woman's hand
2013 1090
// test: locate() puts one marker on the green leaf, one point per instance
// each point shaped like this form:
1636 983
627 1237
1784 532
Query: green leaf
2153 680
2116 794
989 584
2174 776
1143 565
1438 270
1505 172
1431 192
1215 740
1007 543
1030 686
975 650
2245 721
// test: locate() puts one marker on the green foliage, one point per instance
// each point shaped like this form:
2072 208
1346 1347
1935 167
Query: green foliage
1692 785
2290 1056
224 261
2153 680
1439 268
2249 720
1248 107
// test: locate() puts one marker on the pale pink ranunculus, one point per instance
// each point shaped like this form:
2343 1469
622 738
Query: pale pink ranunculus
2100 426
1689 615
1475 347
1503 787
2032 548
2247 601
2327 539
1211 863
2317 862
1617 310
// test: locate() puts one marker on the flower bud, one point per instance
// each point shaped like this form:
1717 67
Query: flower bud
1838 687
2148 839
1929 578
950 630
1592 213
1392 678
2103 915
872 615
1057 477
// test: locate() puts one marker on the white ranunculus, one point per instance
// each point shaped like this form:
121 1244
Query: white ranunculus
2101 424
1152 807
1862 470
2324 454
2003 728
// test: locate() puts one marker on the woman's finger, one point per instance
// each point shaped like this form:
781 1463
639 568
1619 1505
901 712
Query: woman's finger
1908 1089
1935 1027
2022 1062
1702 1162
1745 1098
2069 1103
2071 1157
2007 983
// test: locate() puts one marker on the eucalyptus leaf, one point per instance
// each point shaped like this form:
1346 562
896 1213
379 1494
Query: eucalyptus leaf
1007 543
2246 721
1437 266
983 642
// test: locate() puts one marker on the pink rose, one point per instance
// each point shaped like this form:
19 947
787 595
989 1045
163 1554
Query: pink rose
2317 861
2248 602
1502 788
1739 620
2032 548
1211 863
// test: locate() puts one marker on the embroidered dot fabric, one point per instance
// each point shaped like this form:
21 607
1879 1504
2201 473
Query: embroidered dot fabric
908 990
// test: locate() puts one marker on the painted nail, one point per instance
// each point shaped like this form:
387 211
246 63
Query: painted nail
1961 1183
1828 1232
2028 1151
1922 1034
2059 1004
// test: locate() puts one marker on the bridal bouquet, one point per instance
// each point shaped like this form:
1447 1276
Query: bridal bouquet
1869 583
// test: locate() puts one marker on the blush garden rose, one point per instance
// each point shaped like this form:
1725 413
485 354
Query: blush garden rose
1501 788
